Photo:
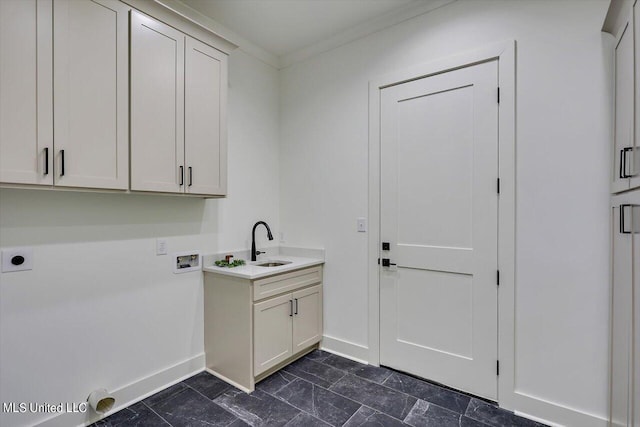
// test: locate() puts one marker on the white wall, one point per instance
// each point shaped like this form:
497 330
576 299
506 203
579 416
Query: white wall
563 125
100 309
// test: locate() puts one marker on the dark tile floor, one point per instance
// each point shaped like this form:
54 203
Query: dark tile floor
321 389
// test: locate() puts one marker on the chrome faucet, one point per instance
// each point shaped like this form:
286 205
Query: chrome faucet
254 253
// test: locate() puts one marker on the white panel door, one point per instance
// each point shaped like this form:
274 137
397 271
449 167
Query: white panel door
624 116
91 70
157 106
307 317
439 204
621 316
205 121
272 327
26 90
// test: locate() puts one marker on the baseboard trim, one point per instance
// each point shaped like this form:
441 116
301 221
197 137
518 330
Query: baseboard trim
344 348
227 380
133 392
545 411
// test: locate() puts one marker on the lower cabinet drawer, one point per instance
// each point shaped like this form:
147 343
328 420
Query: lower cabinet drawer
270 286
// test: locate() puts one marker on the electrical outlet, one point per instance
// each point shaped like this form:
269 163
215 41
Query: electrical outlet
17 259
161 246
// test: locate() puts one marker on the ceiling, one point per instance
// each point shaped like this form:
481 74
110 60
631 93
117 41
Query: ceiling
282 27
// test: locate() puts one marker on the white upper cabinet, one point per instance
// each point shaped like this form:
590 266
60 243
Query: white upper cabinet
624 112
91 93
205 121
635 159
96 95
623 22
26 116
157 106
84 86
178 111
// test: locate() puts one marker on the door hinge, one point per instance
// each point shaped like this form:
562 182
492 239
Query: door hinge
498 277
497 367
498 185
498 95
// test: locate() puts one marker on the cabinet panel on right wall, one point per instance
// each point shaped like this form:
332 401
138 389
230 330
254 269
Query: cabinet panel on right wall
624 115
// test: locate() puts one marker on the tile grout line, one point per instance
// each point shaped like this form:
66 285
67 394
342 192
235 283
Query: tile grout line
152 410
464 413
212 401
388 388
348 398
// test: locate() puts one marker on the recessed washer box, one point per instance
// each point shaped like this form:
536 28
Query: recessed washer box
184 262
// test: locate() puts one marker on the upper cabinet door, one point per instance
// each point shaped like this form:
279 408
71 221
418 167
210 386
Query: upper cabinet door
26 127
157 106
624 115
91 93
635 160
205 119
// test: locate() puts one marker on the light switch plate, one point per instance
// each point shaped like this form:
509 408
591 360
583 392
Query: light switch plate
161 246
361 224
17 259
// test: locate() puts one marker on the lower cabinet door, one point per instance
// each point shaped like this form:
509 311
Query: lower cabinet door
635 224
272 329
621 330
307 317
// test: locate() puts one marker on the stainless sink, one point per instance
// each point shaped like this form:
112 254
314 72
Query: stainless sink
272 263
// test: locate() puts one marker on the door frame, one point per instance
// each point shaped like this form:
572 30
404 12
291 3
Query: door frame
505 54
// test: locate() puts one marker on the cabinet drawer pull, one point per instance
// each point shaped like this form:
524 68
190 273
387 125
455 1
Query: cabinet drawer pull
61 162
290 308
46 160
623 229
181 175
623 162
296 300
190 176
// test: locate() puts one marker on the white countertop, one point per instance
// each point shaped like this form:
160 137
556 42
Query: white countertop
251 271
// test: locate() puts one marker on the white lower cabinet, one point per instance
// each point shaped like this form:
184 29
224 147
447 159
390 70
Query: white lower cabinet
284 326
249 335
625 311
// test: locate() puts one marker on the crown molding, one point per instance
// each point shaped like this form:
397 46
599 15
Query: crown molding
411 10
215 27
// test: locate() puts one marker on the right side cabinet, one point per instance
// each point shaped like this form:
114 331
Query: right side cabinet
625 311
623 22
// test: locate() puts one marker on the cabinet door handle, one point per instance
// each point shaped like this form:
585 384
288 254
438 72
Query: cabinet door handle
623 229
623 162
290 308
46 160
190 176
181 175
61 162
296 300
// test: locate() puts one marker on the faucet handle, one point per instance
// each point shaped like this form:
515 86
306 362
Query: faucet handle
260 252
